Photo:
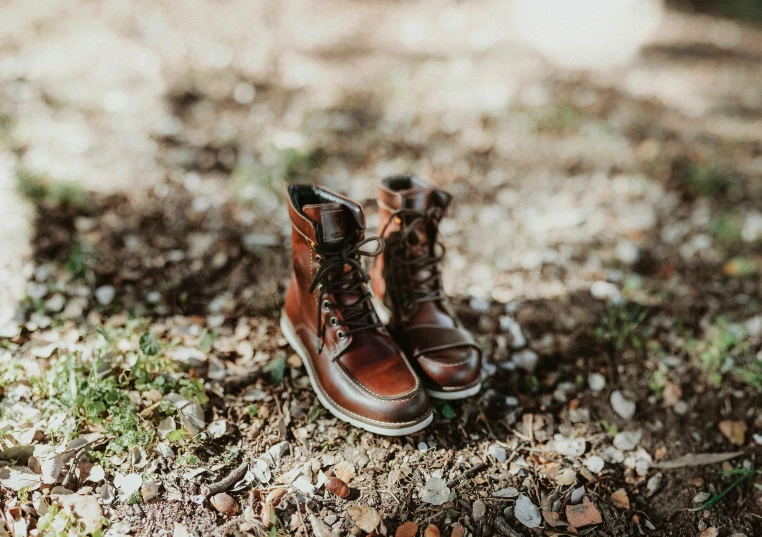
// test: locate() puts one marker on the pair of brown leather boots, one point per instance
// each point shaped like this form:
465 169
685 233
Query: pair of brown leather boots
366 375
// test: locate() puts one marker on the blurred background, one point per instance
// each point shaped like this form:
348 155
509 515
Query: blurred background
606 162
570 135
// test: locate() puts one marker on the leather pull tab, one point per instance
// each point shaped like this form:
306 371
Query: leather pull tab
332 221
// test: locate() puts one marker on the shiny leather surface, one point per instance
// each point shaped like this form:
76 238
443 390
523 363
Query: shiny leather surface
421 329
364 373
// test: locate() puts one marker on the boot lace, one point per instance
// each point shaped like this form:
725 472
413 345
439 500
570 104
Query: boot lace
424 288
341 273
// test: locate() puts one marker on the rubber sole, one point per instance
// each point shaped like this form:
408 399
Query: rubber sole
460 394
290 334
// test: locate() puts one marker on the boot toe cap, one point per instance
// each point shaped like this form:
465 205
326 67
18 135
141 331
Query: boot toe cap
450 369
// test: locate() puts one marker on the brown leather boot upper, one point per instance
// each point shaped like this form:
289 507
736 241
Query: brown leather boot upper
407 279
356 368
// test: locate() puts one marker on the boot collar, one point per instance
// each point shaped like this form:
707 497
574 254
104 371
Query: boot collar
323 216
410 192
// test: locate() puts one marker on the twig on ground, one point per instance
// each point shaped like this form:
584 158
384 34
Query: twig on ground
468 473
224 484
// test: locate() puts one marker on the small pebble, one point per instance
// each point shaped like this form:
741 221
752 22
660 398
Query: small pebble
479 510
596 381
105 295
622 406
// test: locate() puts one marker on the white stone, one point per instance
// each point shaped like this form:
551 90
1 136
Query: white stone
526 360
627 440
605 291
594 463
498 452
596 382
622 406
55 303
105 295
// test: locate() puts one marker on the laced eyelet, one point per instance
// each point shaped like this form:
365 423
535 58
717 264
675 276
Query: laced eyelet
334 321
340 334
326 305
319 258
320 287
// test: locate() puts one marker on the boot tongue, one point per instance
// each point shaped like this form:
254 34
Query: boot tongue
333 220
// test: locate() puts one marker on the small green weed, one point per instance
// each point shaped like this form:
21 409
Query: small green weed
63 523
611 429
726 227
743 474
708 180
725 350
619 326
559 119
97 393
40 190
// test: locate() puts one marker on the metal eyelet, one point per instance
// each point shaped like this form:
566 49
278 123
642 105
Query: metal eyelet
319 258
340 334
326 305
334 321
320 287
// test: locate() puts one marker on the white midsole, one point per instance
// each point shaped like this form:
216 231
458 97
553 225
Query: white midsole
384 315
290 334
451 396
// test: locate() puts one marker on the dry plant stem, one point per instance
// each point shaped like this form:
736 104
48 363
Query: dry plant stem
224 484
468 473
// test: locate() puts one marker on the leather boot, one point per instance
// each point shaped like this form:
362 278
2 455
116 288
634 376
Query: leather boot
407 281
356 369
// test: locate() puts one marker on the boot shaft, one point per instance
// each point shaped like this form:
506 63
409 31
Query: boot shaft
405 201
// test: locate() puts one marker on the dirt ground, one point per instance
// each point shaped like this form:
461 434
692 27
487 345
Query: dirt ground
605 247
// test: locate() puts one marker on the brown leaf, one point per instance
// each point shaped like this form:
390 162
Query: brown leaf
709 532
337 487
344 471
431 531
735 431
458 530
620 499
224 503
584 514
672 394
274 496
408 529
552 518
365 517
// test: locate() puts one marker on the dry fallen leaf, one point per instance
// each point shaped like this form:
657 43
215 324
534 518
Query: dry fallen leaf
620 499
181 531
319 528
435 491
85 507
672 394
224 503
337 487
735 431
431 531
584 514
274 496
709 532
458 530
366 518
697 459
344 471
567 476
19 477
408 529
